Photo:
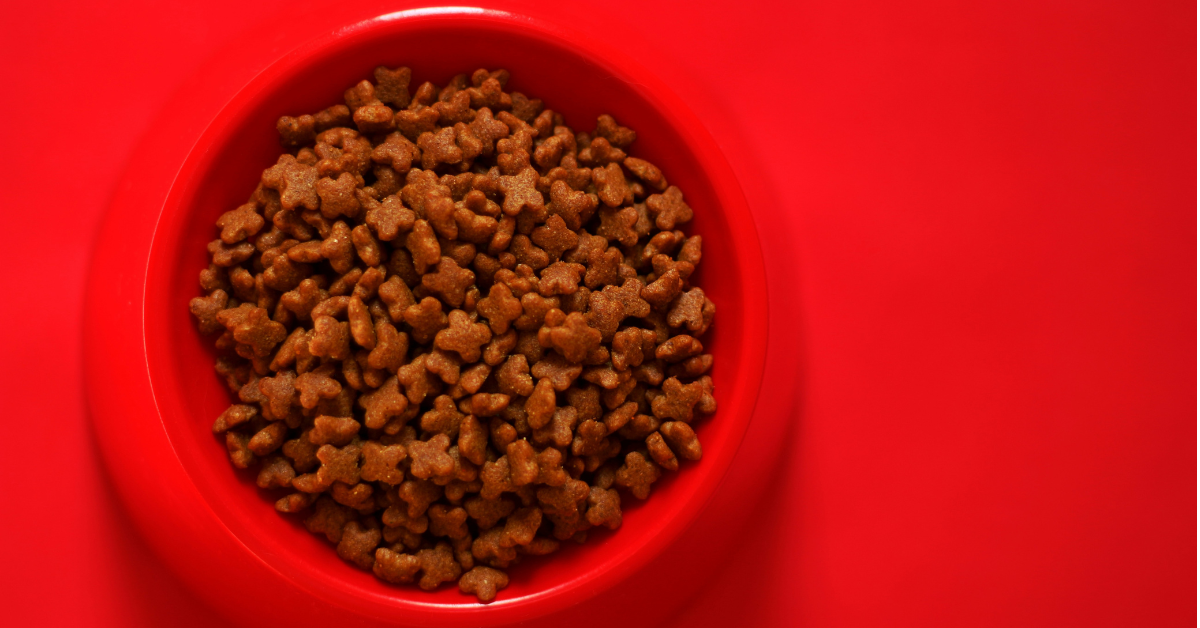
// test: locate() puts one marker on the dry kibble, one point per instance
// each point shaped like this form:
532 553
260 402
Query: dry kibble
459 332
483 582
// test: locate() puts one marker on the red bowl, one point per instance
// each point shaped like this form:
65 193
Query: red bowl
154 393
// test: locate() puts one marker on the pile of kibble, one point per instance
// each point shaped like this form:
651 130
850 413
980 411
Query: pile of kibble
454 327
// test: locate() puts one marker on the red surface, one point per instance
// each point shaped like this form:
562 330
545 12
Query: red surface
153 393
989 211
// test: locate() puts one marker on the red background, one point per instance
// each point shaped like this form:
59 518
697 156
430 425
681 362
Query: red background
982 220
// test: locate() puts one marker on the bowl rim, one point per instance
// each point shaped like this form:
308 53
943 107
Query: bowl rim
99 342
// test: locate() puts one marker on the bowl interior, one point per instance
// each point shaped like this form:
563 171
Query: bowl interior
224 168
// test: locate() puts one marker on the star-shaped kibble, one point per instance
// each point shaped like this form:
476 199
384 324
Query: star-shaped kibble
488 129
631 346
439 148
418 381
429 458
390 218
557 370
380 463
395 567
443 364
391 86
358 543
483 582
668 209
560 278
562 500
338 197
617 225
520 193
513 376
663 263
238 224
555 237
604 508
449 281
528 253
610 184
619 136
463 336
437 566
489 93
678 348
637 474
330 430
678 400
534 309
444 418
682 439
280 392
330 338
687 309
603 267
591 438
303 298
647 172
500 308
572 337
259 332
575 207
426 319
383 403
328 518
316 385
295 182
414 123
496 478
558 431
663 290
601 152
205 310
456 109
339 464
521 526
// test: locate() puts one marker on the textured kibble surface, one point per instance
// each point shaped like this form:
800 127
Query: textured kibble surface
456 331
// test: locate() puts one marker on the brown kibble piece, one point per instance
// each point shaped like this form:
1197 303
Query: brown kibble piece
437 566
358 543
339 464
647 172
394 567
661 453
604 508
483 582
637 474
571 337
668 209
429 458
463 336
328 518
678 400
276 472
682 439
513 377
449 282
678 349
380 463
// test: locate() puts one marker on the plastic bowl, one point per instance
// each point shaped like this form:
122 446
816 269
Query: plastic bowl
151 383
